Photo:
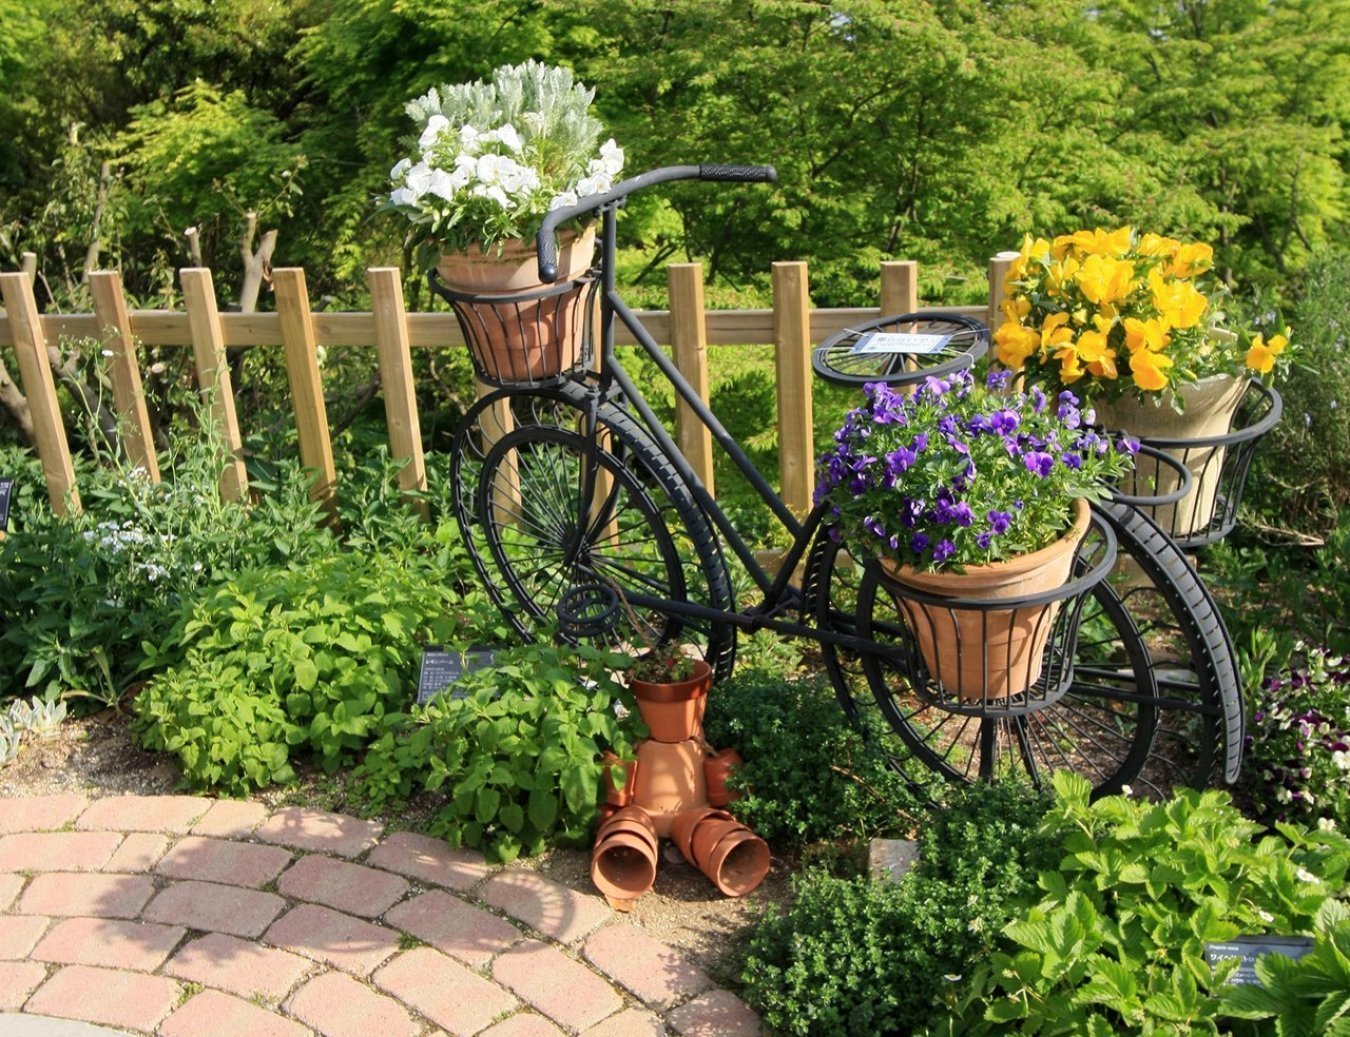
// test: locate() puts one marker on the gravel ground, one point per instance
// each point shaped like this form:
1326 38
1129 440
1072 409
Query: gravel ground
96 756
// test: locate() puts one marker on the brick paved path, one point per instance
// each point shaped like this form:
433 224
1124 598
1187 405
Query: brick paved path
188 917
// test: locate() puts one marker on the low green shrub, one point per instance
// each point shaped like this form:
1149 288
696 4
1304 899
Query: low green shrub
281 660
853 956
515 749
809 775
1298 743
1116 942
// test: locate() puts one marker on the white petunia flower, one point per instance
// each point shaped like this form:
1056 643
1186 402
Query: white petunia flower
400 167
403 196
469 139
419 179
494 192
561 201
507 135
611 157
442 185
436 125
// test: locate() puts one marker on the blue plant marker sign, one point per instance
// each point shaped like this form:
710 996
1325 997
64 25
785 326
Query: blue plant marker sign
442 670
1246 949
6 489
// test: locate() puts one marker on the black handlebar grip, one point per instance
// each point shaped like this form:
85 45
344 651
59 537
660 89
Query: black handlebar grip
739 174
547 244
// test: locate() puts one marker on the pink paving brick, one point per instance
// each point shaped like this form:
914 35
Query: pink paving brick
344 942
238 966
632 1023
353 888
143 814
339 1006
525 1024
213 1014
96 896
551 908
18 979
444 991
230 819
718 1013
447 923
9 889
57 851
138 946
39 813
562 989
338 834
429 860
19 934
138 852
222 860
651 970
106 996
215 908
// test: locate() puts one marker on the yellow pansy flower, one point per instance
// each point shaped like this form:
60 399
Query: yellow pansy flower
1093 350
1070 363
1153 334
1058 276
1148 369
1055 331
1105 280
1178 302
1014 309
1261 354
1157 245
1102 243
1015 343
1190 259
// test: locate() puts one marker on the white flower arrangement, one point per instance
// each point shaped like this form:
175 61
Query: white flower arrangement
493 158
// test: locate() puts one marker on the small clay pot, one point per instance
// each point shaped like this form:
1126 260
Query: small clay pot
682 828
738 863
669 780
623 866
716 769
706 837
619 797
606 811
674 712
635 815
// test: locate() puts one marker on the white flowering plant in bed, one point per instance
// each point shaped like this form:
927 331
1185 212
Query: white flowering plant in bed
494 157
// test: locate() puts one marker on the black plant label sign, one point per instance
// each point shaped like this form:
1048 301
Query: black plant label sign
1246 949
6 489
442 670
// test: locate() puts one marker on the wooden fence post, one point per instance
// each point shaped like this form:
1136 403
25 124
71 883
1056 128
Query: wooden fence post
792 354
110 309
396 380
213 374
998 277
302 373
689 336
35 372
899 287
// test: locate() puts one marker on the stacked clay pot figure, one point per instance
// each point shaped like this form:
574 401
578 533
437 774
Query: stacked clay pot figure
675 789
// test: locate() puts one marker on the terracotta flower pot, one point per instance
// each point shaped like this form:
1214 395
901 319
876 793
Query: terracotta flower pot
518 339
623 865
633 815
716 769
706 837
684 824
989 655
669 780
619 797
1210 405
738 863
673 712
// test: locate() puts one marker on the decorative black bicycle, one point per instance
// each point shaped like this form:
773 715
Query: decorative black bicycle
582 516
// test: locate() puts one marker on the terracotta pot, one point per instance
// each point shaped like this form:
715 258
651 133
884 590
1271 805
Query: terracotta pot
682 828
518 339
674 712
979 655
623 796
706 837
1211 404
669 780
634 815
623 865
716 769
738 863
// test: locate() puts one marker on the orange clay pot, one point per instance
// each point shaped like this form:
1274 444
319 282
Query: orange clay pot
716 769
669 780
619 797
683 827
738 863
706 837
674 712
623 863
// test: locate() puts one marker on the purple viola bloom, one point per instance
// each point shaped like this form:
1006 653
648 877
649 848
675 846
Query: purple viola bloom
980 425
962 514
919 543
1128 445
1068 413
921 442
997 379
874 527
999 520
1037 399
1039 463
947 425
984 540
1072 460
944 550
1005 421
1068 397
899 461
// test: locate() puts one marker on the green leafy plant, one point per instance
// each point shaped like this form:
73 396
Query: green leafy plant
279 660
854 956
1116 942
516 750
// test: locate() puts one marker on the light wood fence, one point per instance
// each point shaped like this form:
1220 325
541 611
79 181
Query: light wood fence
791 326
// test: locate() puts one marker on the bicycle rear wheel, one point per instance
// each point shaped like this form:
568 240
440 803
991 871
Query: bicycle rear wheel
1141 710
558 512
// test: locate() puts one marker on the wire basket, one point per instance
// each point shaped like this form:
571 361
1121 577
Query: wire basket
528 339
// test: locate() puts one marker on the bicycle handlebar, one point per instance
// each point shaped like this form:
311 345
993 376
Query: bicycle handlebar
547 238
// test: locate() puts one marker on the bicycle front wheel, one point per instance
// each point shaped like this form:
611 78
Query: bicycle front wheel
560 512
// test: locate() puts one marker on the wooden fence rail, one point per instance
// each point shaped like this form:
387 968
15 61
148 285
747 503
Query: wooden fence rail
791 326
